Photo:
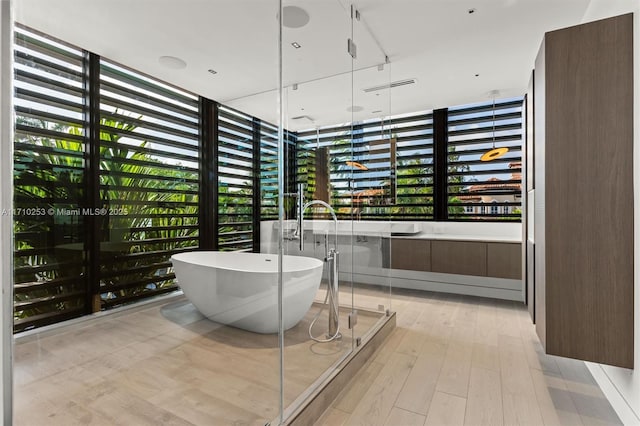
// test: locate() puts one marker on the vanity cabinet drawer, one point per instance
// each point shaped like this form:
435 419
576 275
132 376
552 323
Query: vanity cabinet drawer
504 260
459 257
411 254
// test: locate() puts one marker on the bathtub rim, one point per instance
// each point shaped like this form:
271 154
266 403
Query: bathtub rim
312 262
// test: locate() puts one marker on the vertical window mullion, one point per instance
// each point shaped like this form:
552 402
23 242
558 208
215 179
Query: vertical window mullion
256 203
440 199
93 224
207 222
214 176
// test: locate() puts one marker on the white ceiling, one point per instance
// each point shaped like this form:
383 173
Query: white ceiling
436 42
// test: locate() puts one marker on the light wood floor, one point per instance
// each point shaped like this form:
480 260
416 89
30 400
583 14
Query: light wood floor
166 365
457 360
452 360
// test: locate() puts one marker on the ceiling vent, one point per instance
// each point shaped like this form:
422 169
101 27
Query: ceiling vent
391 85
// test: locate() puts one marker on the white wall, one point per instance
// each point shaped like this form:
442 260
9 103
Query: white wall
6 171
622 386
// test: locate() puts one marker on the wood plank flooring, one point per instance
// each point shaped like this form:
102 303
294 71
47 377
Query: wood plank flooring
167 365
456 360
452 360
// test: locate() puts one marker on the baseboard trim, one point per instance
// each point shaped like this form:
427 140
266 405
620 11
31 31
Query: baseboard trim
480 289
617 401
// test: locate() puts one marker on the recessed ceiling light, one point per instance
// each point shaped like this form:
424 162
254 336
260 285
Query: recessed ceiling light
294 17
172 62
296 45
472 10
212 71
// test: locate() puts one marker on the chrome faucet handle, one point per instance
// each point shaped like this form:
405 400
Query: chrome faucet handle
326 244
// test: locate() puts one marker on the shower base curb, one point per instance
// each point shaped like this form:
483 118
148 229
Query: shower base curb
318 402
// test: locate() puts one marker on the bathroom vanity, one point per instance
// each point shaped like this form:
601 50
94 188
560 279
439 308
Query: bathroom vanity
484 258
479 259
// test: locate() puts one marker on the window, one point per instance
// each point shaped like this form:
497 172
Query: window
94 136
148 182
472 131
50 273
269 169
332 144
235 180
414 163
365 191
268 172
107 173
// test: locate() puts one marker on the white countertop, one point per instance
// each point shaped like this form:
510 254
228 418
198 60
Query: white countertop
380 228
487 232
461 237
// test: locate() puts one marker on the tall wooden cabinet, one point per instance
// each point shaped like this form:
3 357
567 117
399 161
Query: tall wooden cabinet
583 179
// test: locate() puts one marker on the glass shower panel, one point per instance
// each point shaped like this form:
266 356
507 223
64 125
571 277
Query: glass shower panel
317 89
373 184
6 204
129 154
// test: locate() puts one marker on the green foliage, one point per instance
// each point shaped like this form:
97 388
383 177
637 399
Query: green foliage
238 224
50 176
155 215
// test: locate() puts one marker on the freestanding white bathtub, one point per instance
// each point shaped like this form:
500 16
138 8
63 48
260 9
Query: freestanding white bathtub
241 289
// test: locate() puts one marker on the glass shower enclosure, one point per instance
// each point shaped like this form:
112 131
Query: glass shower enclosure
266 161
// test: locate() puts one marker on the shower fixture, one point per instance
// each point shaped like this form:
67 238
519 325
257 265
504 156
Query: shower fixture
331 260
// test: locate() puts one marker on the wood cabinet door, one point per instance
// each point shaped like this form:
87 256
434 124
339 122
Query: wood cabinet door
459 257
411 254
504 260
